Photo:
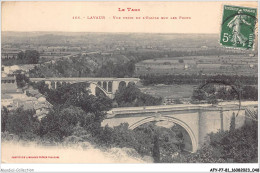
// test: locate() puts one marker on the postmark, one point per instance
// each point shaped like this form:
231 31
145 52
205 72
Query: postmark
238 27
219 89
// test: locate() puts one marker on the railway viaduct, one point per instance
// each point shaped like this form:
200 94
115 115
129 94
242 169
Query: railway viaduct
108 85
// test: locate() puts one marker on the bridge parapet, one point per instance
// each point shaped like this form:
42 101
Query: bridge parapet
184 107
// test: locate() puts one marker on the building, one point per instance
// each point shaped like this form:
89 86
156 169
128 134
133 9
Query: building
5 55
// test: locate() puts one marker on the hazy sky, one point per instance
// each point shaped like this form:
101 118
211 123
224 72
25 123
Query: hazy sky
57 16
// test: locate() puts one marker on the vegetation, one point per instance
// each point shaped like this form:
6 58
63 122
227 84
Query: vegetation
78 116
21 79
196 79
27 57
73 106
67 122
84 67
235 146
213 92
132 96
63 68
67 93
20 122
249 92
163 144
116 70
4 116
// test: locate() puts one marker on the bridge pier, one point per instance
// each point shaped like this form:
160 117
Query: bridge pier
92 87
115 85
55 85
48 83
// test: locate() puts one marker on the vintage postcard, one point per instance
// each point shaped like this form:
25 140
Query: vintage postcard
130 82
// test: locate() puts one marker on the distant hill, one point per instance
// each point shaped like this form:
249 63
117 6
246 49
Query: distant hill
83 38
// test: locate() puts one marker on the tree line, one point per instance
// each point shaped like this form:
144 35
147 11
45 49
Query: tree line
81 68
212 93
194 79
132 96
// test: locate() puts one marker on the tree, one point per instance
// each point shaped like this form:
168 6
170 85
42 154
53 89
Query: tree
206 154
62 121
249 92
79 96
21 55
21 79
199 94
4 118
156 149
31 56
74 106
236 146
212 99
132 96
41 86
23 123
233 123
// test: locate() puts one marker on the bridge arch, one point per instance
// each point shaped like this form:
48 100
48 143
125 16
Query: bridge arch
105 85
131 83
173 120
53 85
122 84
109 86
58 84
93 87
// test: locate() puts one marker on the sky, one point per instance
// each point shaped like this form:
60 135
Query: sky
205 17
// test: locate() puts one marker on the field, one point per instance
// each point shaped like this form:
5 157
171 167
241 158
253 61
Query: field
221 64
169 91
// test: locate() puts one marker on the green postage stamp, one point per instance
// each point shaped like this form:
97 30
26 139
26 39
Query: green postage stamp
238 27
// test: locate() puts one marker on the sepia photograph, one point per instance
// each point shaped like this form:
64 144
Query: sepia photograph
147 83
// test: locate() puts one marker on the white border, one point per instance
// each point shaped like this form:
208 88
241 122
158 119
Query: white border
114 168
172 167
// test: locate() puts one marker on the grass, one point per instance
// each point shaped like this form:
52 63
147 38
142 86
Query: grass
172 91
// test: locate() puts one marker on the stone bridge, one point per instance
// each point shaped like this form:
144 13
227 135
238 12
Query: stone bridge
196 120
109 86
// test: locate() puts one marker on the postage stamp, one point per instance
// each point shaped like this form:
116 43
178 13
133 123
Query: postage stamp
238 27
